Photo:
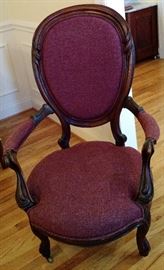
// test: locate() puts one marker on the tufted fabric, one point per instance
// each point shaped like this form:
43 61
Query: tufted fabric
82 61
149 125
86 191
19 135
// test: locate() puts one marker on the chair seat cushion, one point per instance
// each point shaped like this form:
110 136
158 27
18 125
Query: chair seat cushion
87 191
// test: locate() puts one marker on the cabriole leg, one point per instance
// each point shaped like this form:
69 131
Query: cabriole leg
142 242
44 248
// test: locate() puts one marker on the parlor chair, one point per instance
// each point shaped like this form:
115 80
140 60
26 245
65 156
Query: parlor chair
83 60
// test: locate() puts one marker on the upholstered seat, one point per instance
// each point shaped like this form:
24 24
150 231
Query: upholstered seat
78 188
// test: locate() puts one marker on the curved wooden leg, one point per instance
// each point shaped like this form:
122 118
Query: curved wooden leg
44 248
142 242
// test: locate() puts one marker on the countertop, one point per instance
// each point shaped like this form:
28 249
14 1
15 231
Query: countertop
139 6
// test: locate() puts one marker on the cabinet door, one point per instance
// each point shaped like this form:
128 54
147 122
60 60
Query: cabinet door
143 25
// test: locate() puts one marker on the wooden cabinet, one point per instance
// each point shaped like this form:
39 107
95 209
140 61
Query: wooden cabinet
144 29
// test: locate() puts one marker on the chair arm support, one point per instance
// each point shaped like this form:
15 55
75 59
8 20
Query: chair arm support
21 133
8 155
148 123
22 194
146 189
151 130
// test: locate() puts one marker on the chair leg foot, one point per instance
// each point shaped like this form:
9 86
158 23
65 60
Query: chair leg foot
144 248
142 242
50 259
44 248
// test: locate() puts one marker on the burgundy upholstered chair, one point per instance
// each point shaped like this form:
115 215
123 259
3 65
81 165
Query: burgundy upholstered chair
83 62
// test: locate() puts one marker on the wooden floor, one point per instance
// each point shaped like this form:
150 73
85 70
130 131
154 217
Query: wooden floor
19 247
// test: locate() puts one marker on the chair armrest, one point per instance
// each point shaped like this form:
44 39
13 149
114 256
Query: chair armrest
20 134
152 132
8 155
148 123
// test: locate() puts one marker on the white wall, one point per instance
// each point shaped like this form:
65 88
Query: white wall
37 10
14 88
161 27
118 5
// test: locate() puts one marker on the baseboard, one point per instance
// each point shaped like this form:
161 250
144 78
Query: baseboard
10 110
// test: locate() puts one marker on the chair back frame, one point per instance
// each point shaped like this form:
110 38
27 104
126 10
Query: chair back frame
113 114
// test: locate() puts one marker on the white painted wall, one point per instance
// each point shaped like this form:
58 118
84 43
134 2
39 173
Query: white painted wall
14 89
37 10
118 5
161 27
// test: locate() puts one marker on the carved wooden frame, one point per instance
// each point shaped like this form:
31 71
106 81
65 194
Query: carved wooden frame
9 159
146 190
127 69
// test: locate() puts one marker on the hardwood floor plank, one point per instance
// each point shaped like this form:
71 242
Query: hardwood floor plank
19 247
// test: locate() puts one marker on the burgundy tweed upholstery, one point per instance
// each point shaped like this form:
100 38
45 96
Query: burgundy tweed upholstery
149 125
82 62
86 191
19 135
